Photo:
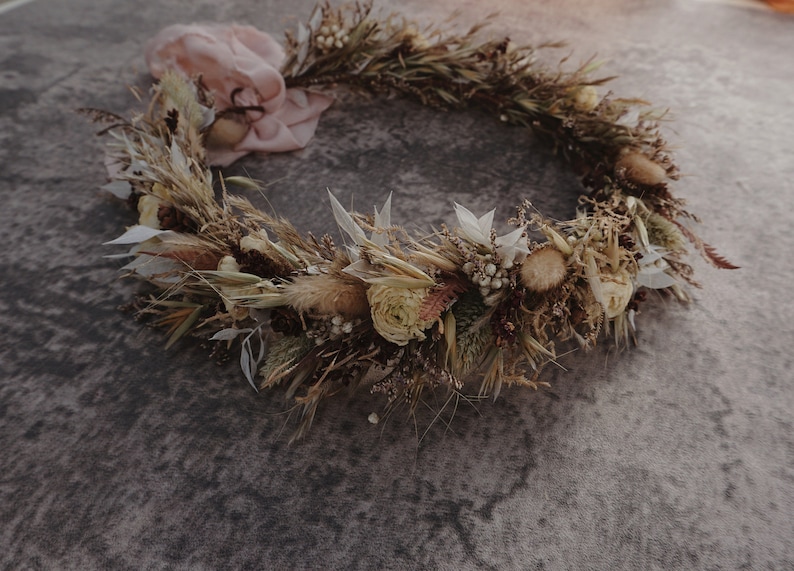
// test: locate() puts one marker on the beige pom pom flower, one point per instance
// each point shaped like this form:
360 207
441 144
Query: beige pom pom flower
395 313
617 290
543 270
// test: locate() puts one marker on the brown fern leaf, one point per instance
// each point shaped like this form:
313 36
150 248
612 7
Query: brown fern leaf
708 252
112 120
716 259
440 298
101 116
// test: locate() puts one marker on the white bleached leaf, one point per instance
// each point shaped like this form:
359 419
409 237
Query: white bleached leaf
346 222
486 223
372 274
477 230
245 362
655 279
136 234
119 188
178 159
382 220
149 267
303 34
248 363
231 333
362 270
512 247
651 255
653 269
303 53
316 18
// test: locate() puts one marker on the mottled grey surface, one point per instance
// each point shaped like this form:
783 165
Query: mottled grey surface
676 455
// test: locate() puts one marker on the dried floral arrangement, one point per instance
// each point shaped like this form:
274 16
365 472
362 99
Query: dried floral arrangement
396 313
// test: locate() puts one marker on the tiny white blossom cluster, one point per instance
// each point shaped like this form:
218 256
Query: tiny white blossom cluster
331 36
485 274
333 328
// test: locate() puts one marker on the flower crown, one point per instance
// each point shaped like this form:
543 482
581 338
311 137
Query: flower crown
397 313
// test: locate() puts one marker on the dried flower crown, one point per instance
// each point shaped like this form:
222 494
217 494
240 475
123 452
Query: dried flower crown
396 313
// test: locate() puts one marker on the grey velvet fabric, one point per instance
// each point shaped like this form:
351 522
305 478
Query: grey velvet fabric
678 454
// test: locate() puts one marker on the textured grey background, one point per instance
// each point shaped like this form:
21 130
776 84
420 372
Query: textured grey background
678 454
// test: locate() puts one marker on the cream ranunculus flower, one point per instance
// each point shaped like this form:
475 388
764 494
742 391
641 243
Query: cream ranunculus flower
617 290
395 312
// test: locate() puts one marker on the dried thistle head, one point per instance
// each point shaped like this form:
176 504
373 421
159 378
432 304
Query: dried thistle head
664 233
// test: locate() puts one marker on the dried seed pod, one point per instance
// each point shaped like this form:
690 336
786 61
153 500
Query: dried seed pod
639 169
171 218
543 270
225 133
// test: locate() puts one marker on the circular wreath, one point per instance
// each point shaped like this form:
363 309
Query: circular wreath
397 313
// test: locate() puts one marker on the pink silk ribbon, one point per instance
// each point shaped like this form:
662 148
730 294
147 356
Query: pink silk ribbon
240 65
